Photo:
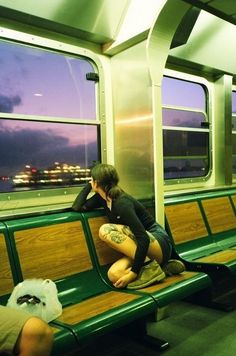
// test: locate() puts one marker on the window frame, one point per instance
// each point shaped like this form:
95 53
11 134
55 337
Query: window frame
206 87
233 133
9 200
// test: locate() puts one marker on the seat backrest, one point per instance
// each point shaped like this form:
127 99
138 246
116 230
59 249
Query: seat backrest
219 213
53 251
6 278
185 222
234 200
105 254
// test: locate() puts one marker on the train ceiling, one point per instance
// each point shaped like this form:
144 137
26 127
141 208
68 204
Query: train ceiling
93 20
100 21
225 9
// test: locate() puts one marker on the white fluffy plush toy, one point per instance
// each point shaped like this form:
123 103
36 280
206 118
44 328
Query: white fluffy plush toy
37 297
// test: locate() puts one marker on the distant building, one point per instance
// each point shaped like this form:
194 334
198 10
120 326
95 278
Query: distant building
58 174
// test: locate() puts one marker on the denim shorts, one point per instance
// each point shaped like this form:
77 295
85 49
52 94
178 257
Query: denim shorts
164 241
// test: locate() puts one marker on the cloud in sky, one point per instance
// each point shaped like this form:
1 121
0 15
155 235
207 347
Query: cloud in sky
7 103
40 144
40 149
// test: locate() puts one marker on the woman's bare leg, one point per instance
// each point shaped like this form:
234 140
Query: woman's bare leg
119 268
120 238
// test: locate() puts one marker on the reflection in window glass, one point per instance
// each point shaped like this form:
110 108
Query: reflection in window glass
38 82
234 152
234 132
45 154
177 92
234 103
234 123
186 154
182 118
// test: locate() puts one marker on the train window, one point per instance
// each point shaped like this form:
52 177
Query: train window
234 152
234 108
182 118
185 129
49 134
176 92
234 131
39 82
45 154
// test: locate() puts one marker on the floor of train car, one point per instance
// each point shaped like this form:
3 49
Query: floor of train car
189 329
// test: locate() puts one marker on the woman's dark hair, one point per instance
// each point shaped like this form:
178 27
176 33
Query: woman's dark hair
107 178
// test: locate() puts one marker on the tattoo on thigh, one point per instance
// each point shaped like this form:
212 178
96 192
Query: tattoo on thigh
109 228
117 237
126 231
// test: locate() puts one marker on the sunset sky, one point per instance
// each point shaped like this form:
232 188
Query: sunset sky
42 83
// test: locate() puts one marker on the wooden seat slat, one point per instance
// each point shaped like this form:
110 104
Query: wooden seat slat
105 254
220 257
219 213
94 306
185 221
234 200
6 279
54 251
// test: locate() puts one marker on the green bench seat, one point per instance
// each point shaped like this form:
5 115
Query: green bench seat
63 338
171 289
203 229
202 232
55 246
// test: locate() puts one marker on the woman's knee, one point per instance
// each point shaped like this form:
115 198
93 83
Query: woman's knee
114 274
118 268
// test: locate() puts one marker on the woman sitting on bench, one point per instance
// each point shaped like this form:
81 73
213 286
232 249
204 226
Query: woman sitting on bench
132 231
